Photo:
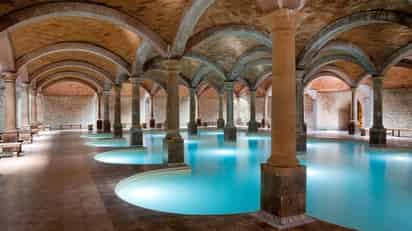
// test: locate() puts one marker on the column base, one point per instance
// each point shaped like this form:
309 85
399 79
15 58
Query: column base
301 142
136 137
252 127
34 129
220 123
117 131
230 134
285 222
99 125
106 126
192 128
175 149
377 137
152 123
283 193
352 127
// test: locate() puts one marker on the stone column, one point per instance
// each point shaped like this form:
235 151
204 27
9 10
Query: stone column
99 122
25 130
152 121
300 109
136 134
10 133
192 126
26 106
34 121
117 123
252 125
352 127
230 129
106 109
174 141
377 134
220 120
283 192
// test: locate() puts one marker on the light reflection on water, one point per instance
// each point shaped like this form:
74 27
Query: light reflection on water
348 183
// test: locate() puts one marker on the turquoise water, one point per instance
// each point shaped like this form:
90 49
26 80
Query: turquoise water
348 183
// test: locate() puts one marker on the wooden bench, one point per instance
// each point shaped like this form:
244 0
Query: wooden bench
8 149
398 131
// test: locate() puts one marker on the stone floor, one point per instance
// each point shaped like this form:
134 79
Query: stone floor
57 185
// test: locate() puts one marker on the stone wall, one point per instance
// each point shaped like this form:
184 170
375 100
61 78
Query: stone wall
330 111
397 108
69 110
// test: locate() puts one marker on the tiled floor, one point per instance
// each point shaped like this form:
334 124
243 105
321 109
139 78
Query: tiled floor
58 186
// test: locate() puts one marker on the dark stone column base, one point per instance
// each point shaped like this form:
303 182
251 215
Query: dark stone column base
377 137
220 123
301 140
230 134
99 125
252 127
136 137
283 192
175 150
26 136
352 127
152 123
192 128
106 126
117 131
282 223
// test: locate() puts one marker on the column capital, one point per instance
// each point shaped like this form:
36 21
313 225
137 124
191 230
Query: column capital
9 76
300 73
25 85
281 20
228 85
378 77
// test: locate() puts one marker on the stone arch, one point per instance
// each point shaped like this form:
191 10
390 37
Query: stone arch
262 78
263 61
188 24
330 71
143 53
206 61
97 86
199 76
71 63
38 12
205 82
232 30
245 58
74 46
347 23
322 61
344 48
396 57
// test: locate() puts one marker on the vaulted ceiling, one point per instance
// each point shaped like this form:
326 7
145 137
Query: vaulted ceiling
218 40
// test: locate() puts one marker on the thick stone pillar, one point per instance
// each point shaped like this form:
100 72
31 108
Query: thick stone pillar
192 126
174 141
300 118
230 129
25 130
34 121
353 125
283 192
106 109
252 125
377 134
136 134
99 122
25 114
220 120
152 121
117 123
10 133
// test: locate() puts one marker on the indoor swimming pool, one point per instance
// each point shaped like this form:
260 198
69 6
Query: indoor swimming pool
347 183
